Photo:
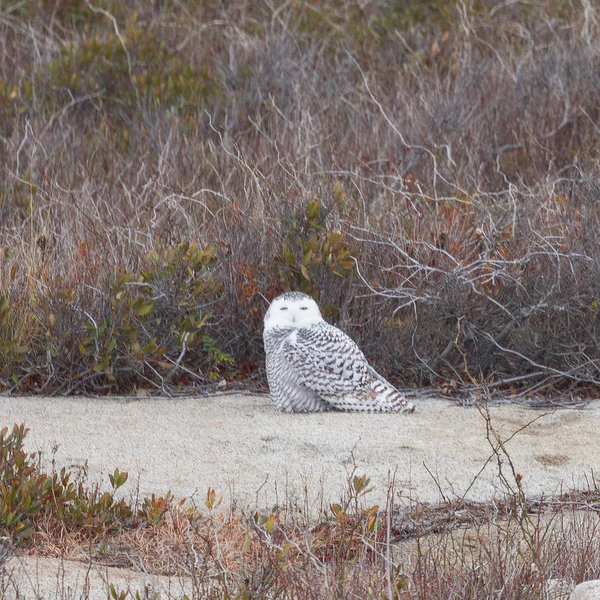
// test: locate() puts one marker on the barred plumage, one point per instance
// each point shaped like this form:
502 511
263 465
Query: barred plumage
313 366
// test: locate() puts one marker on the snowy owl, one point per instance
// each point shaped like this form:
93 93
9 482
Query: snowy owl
313 366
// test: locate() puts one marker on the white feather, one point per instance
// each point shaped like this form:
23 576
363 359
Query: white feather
314 366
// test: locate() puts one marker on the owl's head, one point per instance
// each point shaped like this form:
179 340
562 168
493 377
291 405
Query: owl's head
292 309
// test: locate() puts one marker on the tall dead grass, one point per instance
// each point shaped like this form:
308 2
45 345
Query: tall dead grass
452 149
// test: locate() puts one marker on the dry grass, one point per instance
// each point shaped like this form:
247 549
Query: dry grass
450 551
510 548
418 168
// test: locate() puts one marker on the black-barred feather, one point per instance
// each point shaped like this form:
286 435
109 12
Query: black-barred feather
314 366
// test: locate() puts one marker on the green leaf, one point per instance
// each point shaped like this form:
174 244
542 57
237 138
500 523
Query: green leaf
118 478
289 256
101 366
4 308
313 210
150 346
111 345
270 523
308 256
304 272
143 309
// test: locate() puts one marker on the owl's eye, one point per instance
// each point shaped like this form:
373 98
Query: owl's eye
304 308
283 308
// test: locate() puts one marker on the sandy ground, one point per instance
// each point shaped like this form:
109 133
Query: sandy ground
254 456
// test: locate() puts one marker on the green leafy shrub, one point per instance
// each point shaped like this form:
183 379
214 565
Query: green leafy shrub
21 490
149 326
315 255
28 495
124 74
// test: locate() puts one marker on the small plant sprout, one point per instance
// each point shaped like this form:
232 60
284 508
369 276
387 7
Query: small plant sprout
118 478
212 501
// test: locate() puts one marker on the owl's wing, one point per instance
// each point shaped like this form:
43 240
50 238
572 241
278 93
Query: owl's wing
326 360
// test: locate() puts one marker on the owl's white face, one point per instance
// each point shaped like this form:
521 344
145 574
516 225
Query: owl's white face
292 309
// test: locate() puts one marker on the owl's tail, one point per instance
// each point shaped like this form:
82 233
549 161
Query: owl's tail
378 395
388 399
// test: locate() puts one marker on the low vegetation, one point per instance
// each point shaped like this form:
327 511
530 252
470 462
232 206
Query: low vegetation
513 548
428 171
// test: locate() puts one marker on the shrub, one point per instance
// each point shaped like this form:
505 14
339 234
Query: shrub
106 338
28 497
426 172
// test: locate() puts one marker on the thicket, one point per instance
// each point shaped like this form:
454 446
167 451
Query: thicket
428 171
